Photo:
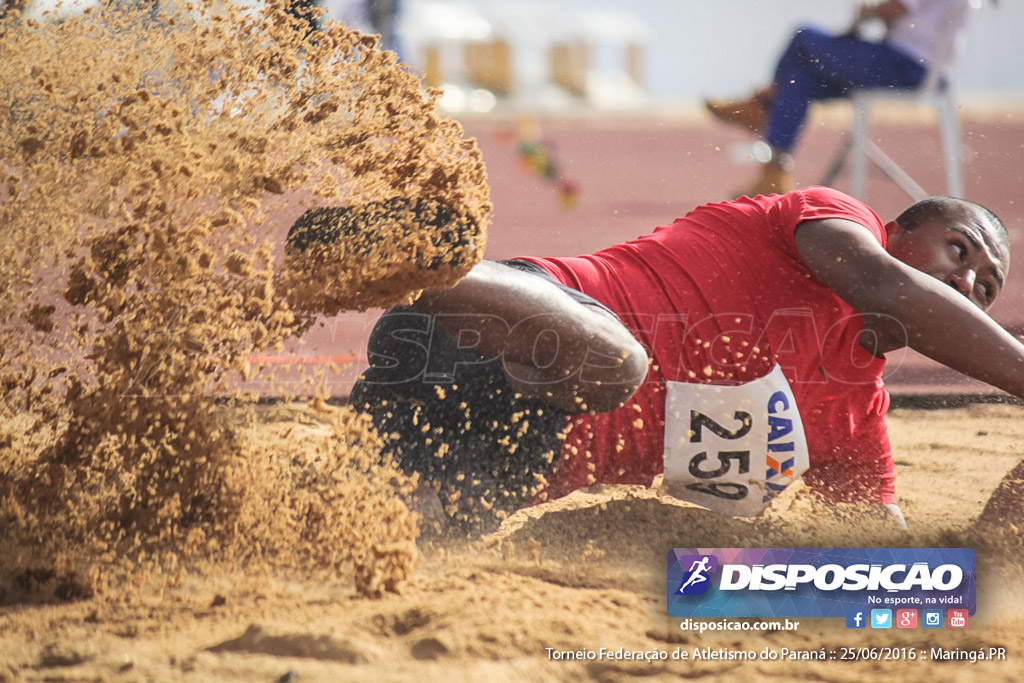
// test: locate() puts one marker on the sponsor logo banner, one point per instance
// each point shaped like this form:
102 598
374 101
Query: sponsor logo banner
818 582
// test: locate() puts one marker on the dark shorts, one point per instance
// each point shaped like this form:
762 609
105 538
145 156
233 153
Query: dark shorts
447 412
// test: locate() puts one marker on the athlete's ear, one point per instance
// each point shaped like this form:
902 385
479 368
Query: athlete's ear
892 228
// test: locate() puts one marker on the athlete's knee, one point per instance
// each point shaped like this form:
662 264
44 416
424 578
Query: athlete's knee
620 371
594 367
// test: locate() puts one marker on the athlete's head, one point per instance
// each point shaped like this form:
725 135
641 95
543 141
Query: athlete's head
958 242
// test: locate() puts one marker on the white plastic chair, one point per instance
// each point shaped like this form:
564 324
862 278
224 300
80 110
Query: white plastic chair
938 92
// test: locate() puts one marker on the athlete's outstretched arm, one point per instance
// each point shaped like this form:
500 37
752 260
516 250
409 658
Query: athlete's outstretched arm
939 321
555 349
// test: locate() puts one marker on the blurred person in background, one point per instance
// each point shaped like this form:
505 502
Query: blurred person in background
817 65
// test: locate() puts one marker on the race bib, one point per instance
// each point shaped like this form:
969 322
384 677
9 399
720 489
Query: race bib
733 448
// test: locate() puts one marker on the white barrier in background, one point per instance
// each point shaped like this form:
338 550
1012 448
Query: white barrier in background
537 55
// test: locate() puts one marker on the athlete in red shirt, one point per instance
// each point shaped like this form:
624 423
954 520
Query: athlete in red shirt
720 296
476 383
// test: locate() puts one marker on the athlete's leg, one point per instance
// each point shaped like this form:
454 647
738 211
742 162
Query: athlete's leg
476 380
554 350
447 413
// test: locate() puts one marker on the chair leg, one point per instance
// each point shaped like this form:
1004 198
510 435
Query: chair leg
894 171
859 158
949 122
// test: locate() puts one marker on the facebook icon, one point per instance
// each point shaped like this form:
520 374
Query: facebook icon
856 618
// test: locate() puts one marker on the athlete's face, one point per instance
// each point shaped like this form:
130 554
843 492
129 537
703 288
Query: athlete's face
959 248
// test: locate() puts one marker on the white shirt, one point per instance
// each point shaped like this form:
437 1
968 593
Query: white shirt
932 31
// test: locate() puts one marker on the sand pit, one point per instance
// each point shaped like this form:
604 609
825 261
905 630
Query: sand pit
583 572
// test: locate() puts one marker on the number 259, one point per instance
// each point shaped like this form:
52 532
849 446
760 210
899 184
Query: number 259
732 491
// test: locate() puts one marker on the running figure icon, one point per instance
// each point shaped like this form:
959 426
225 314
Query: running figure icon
698 571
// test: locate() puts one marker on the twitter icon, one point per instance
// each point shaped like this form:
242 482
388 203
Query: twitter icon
881 618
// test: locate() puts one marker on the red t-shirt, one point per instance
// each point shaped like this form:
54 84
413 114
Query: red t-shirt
720 296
